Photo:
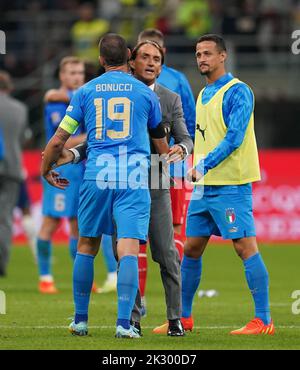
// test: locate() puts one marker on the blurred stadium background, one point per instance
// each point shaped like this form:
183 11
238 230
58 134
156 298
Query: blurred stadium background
259 39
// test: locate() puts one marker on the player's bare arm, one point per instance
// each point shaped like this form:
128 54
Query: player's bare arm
159 139
52 152
66 156
75 140
56 95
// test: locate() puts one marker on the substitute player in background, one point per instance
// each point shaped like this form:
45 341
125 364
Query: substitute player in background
117 111
59 203
226 141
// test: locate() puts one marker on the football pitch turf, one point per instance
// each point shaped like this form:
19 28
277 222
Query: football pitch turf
35 321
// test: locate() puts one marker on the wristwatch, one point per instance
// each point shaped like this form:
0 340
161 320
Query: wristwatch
185 151
76 155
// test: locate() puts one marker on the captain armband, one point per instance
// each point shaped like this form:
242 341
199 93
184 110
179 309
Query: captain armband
69 124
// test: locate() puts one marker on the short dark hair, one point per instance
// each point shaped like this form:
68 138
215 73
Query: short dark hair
215 38
113 49
147 42
152 34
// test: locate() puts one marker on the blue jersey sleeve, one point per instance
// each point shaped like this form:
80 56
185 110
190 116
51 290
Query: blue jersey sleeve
76 108
54 113
238 105
155 116
188 104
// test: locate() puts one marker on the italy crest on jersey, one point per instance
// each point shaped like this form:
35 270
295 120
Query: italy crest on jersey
230 215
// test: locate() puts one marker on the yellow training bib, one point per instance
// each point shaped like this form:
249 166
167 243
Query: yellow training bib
242 166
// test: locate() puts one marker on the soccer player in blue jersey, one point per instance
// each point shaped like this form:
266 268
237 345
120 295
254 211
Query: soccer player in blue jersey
110 284
221 203
58 203
118 111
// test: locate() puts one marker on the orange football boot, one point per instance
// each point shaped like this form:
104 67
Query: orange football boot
94 288
162 329
255 327
187 323
47 287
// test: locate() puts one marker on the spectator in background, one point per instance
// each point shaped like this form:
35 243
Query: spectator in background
129 23
86 33
242 20
194 17
13 122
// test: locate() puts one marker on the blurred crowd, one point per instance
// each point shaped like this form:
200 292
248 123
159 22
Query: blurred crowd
38 30
40 33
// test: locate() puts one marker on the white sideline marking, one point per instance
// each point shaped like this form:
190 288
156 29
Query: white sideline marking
143 327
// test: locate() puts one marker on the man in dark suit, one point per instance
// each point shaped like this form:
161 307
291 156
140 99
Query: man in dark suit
13 124
146 62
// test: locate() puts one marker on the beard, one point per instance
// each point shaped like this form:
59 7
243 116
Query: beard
205 72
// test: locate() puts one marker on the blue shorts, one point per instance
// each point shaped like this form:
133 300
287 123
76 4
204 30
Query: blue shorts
103 209
23 200
63 203
226 215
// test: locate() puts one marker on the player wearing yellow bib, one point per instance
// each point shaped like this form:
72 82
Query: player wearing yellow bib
225 165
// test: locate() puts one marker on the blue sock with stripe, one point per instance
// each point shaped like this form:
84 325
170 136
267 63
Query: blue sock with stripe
83 277
108 254
258 282
191 269
73 247
127 287
44 252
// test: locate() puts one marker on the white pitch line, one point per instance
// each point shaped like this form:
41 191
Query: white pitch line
143 327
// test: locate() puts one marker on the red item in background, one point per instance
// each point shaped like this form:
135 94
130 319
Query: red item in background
276 198
143 267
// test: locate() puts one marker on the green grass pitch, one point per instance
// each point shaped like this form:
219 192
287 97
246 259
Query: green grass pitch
35 321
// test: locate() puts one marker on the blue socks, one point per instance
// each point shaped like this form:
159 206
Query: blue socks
83 277
108 254
73 247
44 251
258 282
127 287
191 269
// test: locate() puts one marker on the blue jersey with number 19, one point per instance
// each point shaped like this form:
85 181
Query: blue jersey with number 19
117 111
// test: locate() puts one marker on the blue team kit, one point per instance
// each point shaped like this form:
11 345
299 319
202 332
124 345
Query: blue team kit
117 111
61 203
